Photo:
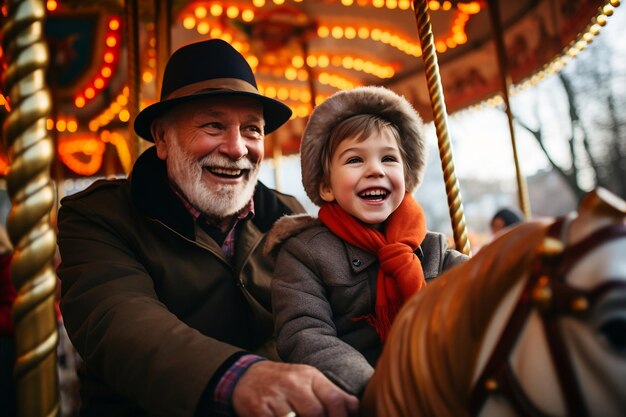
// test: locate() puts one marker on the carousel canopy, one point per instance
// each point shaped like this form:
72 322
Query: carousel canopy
302 52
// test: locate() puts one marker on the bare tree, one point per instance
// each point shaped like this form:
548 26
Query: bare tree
594 127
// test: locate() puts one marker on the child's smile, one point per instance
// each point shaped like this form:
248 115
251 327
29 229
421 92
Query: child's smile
377 194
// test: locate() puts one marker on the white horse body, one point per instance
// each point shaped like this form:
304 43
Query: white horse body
577 303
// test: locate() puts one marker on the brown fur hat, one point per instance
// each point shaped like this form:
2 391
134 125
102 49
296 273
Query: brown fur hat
340 106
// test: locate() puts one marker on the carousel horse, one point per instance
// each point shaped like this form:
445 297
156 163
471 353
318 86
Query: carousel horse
533 325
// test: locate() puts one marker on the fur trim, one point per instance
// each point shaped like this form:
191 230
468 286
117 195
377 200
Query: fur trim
362 100
284 228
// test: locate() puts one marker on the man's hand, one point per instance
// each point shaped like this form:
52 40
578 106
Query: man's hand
272 389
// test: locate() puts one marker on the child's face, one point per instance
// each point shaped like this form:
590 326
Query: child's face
367 177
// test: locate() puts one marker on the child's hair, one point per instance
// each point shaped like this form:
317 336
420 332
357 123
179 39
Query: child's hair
359 127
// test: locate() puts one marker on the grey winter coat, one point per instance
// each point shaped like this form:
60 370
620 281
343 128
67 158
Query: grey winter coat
321 286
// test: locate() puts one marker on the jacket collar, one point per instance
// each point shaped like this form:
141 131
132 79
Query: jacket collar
153 196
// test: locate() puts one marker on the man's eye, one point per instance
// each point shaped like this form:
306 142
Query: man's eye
253 132
213 125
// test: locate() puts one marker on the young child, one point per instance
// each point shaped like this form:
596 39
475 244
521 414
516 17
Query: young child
339 280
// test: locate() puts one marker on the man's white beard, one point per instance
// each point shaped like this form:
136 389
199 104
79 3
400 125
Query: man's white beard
215 200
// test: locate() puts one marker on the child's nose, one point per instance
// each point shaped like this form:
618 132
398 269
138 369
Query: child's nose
375 169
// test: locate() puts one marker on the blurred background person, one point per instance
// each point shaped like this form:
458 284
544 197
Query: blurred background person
503 218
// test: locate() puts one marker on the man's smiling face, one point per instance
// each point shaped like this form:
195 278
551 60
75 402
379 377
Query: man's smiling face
213 148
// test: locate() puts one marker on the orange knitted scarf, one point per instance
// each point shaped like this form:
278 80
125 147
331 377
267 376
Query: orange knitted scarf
400 274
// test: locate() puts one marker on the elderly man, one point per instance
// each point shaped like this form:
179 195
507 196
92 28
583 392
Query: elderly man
165 291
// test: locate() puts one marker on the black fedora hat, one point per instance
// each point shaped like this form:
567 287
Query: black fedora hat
205 69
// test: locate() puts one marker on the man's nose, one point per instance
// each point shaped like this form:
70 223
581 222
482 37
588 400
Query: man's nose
234 145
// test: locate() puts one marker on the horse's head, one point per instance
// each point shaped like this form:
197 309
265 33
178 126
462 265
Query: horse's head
570 358
534 324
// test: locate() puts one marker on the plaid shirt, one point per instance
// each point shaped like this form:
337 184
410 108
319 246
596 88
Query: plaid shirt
228 227
222 397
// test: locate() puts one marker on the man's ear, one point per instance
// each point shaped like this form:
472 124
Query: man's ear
158 134
326 192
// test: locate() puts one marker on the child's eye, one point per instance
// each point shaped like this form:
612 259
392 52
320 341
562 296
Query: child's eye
390 158
353 160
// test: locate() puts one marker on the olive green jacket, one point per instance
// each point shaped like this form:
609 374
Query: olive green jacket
150 301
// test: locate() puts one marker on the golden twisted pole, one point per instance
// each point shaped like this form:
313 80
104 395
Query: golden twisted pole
435 90
28 182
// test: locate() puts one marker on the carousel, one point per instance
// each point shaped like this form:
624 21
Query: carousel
75 73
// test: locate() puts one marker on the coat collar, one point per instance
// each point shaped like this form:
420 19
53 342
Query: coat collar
153 196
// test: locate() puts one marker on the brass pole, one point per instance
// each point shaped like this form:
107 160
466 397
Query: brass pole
32 195
162 30
132 49
277 156
435 90
505 80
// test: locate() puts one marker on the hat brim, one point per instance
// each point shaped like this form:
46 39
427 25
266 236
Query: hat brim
275 113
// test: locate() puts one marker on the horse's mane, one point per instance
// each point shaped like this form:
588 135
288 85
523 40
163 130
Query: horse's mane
435 329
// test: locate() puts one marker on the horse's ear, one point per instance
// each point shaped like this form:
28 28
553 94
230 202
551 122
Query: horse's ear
602 202
597 209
